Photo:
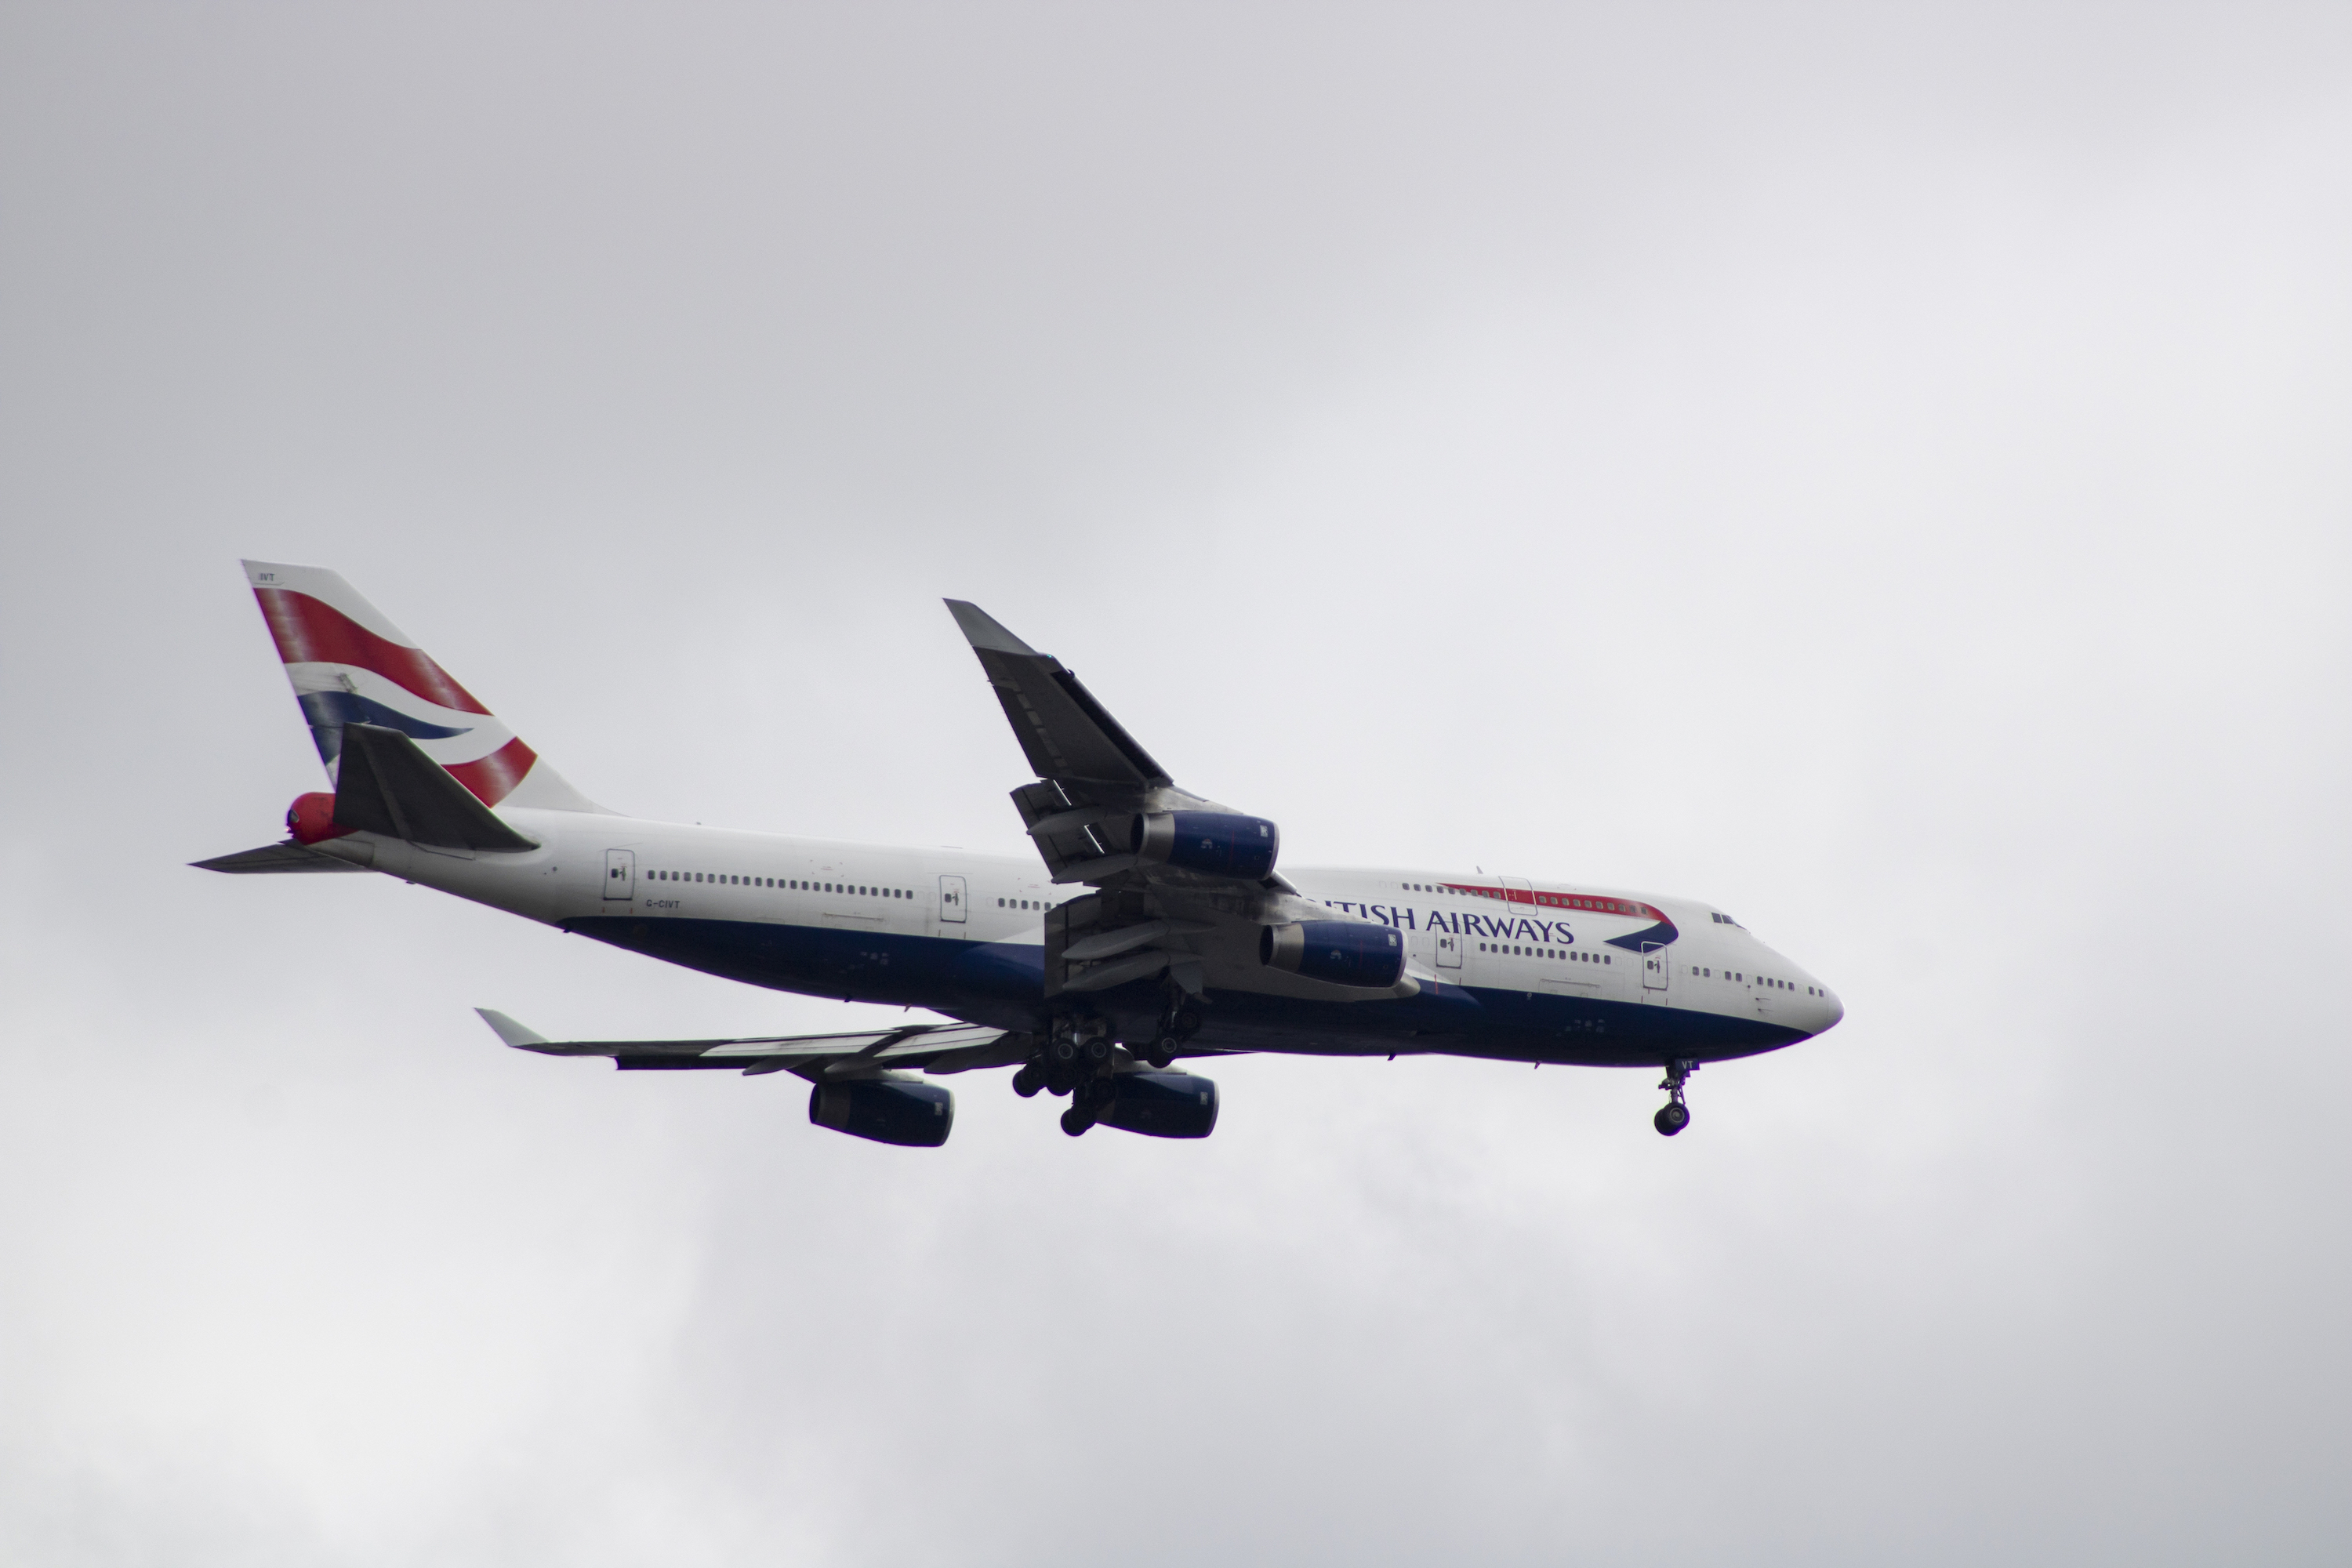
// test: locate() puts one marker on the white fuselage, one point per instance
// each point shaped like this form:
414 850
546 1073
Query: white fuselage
1506 936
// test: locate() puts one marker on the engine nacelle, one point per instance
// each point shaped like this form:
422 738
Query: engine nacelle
1212 843
311 818
1344 953
1161 1105
887 1110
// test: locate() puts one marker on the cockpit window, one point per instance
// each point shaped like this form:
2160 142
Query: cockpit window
1723 920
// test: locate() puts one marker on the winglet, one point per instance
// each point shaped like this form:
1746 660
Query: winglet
512 1033
981 631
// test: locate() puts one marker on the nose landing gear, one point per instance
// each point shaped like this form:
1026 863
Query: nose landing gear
1673 1116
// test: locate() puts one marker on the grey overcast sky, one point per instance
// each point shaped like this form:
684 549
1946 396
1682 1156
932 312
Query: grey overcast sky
1882 468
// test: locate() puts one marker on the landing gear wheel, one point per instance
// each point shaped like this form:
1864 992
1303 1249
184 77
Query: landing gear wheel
1029 1079
1673 1116
1077 1119
1178 1024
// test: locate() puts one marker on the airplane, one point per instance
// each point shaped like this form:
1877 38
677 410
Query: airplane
1154 926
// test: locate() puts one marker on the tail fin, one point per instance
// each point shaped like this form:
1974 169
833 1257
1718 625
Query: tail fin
349 665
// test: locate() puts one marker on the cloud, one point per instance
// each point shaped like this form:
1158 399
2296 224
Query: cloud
1878 471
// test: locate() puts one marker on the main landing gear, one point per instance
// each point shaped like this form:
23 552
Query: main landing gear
1077 1062
1673 1116
1176 1026
1080 1059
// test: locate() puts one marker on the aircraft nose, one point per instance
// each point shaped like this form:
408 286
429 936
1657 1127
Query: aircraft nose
1828 1010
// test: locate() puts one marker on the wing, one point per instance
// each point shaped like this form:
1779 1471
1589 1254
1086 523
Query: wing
1183 885
1065 733
1093 778
934 1047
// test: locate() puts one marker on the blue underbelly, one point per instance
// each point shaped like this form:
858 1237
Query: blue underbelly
1002 984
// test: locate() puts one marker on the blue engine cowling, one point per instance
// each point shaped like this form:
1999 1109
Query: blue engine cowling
1212 843
1161 1105
888 1110
1345 953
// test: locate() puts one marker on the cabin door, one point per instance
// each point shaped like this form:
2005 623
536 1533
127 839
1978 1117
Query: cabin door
1655 967
620 873
951 900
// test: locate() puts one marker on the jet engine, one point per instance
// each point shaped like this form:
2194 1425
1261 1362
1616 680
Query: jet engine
887 1110
1213 843
1344 953
1161 1105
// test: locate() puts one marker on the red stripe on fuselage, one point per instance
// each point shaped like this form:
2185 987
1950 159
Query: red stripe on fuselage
312 631
1588 902
494 777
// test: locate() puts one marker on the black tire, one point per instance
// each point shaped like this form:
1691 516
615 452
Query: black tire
1076 1120
1064 1051
1160 1056
1028 1080
1098 1049
1671 1118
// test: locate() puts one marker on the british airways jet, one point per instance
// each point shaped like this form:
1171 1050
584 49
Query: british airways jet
1153 926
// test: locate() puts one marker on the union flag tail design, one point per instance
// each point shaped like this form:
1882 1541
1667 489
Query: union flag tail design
349 665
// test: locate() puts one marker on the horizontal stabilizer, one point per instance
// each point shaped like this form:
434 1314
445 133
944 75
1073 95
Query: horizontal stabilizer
939 1048
383 783
272 860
